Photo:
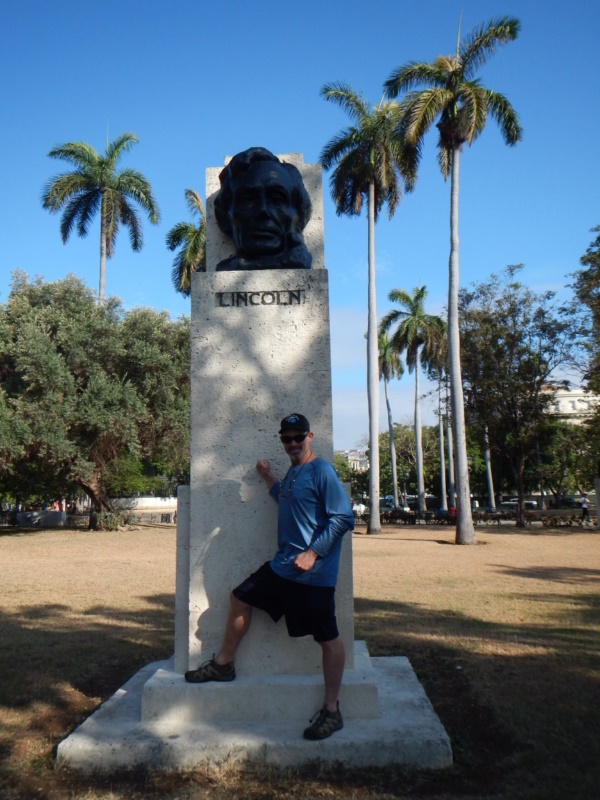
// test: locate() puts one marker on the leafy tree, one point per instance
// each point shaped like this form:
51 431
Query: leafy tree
406 456
453 95
390 367
369 164
587 290
192 241
514 341
565 463
95 186
342 467
421 337
86 387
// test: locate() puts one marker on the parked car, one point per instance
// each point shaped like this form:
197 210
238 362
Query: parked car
513 502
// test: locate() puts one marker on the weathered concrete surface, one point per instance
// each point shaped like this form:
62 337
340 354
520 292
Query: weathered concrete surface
267 698
252 364
407 733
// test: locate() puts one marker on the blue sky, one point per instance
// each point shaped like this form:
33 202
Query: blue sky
196 81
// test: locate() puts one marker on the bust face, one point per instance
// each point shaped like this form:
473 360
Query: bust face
262 212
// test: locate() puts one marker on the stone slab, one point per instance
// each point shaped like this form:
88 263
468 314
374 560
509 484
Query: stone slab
253 362
168 697
407 733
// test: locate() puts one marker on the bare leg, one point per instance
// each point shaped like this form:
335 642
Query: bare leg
334 658
238 622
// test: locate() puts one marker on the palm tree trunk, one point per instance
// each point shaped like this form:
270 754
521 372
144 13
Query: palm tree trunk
465 532
443 498
373 372
392 445
419 442
488 469
450 448
101 287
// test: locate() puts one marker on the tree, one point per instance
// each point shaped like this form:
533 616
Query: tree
587 291
406 456
87 389
192 241
370 164
390 367
453 94
95 186
514 343
421 337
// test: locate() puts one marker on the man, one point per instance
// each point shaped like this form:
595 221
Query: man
585 509
299 582
264 206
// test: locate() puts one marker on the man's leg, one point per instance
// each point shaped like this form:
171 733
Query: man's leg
238 622
221 667
329 719
334 658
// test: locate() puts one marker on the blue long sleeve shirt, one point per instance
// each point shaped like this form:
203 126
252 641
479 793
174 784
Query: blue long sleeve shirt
314 512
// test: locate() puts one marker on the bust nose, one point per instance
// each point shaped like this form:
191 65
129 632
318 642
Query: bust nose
261 207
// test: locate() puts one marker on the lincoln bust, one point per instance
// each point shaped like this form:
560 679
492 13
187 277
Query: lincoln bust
264 207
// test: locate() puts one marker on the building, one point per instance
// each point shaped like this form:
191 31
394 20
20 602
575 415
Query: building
573 405
357 459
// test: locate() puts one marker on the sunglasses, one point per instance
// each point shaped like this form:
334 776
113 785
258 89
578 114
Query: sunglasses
300 437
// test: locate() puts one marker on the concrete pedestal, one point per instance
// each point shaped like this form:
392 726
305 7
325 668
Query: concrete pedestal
407 732
269 699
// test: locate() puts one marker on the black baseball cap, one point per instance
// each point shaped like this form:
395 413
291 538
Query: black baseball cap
297 421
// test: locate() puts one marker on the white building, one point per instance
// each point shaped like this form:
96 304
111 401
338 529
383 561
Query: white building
573 405
357 459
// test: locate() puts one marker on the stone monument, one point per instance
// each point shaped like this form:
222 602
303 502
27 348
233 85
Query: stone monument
260 350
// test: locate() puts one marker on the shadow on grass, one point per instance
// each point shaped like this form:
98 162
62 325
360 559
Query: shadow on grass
554 574
45 647
518 701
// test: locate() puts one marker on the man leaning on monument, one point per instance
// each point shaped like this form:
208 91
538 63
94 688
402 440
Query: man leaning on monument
299 582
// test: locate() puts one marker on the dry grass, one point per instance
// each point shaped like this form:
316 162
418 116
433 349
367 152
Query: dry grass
504 636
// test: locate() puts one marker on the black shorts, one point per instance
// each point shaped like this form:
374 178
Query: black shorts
308 610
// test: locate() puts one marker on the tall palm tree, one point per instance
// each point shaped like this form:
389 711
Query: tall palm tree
421 337
95 186
370 163
453 95
192 241
390 367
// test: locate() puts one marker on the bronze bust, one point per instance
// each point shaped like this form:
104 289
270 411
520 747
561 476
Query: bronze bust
264 207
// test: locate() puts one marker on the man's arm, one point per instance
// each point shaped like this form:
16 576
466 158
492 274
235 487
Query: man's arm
266 473
338 510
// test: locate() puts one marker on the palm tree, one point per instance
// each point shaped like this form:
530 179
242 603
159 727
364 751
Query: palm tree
390 367
422 337
370 163
192 240
95 185
453 95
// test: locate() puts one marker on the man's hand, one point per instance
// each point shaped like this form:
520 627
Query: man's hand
305 561
266 473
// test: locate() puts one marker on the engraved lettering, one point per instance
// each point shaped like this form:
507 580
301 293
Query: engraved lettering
275 297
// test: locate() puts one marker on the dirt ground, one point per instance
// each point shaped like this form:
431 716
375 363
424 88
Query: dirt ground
128 565
502 634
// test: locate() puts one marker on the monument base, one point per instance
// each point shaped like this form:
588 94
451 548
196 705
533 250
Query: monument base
407 731
167 697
